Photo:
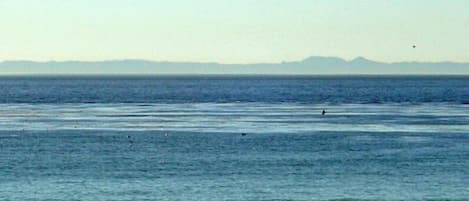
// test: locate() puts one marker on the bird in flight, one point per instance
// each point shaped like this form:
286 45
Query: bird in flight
414 46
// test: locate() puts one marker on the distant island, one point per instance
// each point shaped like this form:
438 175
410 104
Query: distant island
310 66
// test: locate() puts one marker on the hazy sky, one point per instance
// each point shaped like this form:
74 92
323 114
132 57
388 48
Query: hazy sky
234 31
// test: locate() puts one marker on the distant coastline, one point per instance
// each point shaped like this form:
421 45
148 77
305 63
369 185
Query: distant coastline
310 66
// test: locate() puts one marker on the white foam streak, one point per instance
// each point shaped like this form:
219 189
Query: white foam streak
237 117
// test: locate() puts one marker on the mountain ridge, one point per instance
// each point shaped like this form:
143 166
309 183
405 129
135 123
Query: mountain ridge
309 66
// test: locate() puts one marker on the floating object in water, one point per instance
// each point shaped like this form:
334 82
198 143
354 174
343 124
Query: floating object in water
243 134
323 112
130 140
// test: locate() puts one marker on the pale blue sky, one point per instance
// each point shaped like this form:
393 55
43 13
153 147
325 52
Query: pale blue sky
234 31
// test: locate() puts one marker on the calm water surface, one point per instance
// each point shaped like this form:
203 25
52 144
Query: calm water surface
180 138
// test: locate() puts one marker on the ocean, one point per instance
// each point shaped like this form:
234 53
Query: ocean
234 138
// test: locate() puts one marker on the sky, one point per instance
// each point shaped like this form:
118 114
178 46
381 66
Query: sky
234 31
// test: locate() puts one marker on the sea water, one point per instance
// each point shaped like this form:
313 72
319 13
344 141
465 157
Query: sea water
234 138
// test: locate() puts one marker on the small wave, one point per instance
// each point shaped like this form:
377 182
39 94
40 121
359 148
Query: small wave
415 139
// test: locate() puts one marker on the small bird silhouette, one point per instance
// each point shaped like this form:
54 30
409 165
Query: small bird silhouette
414 46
